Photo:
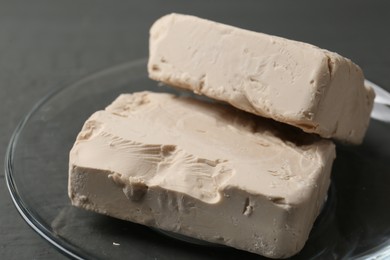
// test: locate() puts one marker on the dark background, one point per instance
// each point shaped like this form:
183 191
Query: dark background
49 44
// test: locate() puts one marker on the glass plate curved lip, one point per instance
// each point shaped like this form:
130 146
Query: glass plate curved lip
20 205
380 252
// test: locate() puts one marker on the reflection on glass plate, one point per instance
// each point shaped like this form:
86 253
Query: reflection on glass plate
354 223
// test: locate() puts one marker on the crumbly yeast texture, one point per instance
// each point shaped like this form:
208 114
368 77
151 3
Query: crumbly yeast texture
292 82
202 169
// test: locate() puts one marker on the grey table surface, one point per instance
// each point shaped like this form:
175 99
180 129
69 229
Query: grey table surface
48 44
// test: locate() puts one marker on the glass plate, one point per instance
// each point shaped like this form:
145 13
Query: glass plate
354 223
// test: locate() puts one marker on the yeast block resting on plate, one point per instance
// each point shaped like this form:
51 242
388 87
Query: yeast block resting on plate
202 169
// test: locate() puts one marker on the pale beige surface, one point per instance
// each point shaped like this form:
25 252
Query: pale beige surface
292 82
204 170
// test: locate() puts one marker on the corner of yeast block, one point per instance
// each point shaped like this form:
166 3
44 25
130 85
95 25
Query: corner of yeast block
90 129
76 186
161 26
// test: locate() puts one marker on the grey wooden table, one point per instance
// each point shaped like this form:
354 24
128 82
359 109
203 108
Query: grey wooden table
47 44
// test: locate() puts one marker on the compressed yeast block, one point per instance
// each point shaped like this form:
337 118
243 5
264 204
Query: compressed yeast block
202 169
292 82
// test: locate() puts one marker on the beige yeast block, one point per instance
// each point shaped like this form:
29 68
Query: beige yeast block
201 169
292 82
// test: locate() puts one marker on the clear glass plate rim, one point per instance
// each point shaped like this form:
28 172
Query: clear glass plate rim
18 202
